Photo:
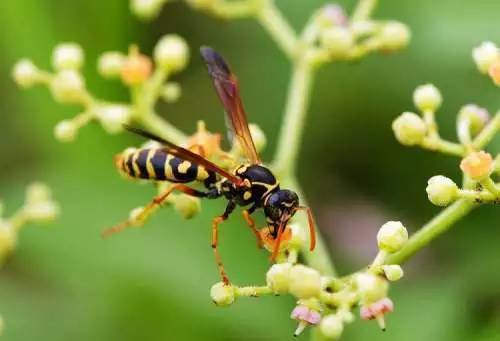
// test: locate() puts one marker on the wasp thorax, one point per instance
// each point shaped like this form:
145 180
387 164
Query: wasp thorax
281 204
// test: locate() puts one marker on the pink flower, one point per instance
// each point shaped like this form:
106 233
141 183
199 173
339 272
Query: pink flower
377 310
305 316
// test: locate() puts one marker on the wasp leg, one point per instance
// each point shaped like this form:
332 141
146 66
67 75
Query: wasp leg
251 224
215 239
276 249
200 149
155 203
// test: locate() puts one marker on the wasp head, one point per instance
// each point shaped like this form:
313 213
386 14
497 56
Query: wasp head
281 206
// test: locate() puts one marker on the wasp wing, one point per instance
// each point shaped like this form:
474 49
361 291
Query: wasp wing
185 154
227 87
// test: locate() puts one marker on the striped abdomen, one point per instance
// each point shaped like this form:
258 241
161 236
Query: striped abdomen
158 164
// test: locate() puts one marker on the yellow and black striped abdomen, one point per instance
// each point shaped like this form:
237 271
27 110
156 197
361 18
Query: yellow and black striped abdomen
157 164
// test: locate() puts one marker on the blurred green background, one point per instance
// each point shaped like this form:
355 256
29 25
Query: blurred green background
64 282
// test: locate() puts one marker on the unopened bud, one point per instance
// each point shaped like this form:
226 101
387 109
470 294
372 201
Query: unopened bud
409 129
332 326
110 64
278 278
485 55
392 236
222 294
478 117
146 9
67 56
441 190
68 86
371 287
305 282
25 73
393 272
337 40
113 117
427 98
171 92
66 131
394 36
171 53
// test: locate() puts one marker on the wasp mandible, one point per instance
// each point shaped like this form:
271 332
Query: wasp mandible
250 184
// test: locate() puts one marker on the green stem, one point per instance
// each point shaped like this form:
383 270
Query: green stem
487 134
364 10
433 229
163 128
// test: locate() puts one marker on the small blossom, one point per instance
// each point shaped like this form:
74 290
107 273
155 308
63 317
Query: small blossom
485 55
392 236
427 98
332 15
66 131
441 190
298 236
136 68
25 73
377 310
113 117
187 206
494 72
171 92
171 53
394 36
278 278
210 142
43 211
67 56
305 282
477 165
371 287
222 294
478 116
332 326
146 9
393 272
37 192
68 86
305 316
409 129
337 40
110 64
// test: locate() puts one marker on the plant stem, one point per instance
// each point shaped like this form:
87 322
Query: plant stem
364 10
162 127
487 133
434 228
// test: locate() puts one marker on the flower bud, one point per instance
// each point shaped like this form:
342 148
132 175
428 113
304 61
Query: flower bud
394 36
43 211
337 41
258 136
332 15
8 240
392 236
477 165
298 236
136 68
494 72
171 53
67 56
222 294
478 117
485 55
187 206
146 9
427 98
37 192
278 278
113 117
332 326
441 190
171 92
66 131
393 272
110 64
68 86
305 282
25 73
371 287
409 129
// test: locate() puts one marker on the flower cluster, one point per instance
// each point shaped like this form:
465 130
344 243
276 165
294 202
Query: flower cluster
38 207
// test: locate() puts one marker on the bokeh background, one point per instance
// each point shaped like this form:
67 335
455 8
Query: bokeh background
64 282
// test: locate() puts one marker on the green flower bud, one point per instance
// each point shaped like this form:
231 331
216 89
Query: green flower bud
409 129
441 190
110 64
37 192
392 236
68 86
171 53
305 282
113 117
67 56
66 131
337 41
394 36
371 287
171 92
478 117
43 211
187 206
332 326
393 272
485 55
427 98
278 278
222 294
25 73
146 9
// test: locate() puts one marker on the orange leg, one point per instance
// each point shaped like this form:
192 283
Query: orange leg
215 240
145 213
251 224
276 249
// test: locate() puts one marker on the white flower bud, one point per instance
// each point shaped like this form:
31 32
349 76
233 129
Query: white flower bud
258 136
43 212
68 86
8 240
393 272
66 131
222 294
392 236
171 92
37 192
394 36
171 53
298 236
337 40
25 73
278 278
441 190
427 98
371 287
332 326
146 9
113 117
478 116
305 282
187 206
409 129
485 55
67 56
135 213
110 64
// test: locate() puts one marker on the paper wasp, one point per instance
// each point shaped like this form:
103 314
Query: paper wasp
250 184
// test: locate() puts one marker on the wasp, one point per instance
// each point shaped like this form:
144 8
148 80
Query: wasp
250 184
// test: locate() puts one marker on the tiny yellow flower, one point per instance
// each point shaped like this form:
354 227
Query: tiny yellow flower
136 68
477 165
494 72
